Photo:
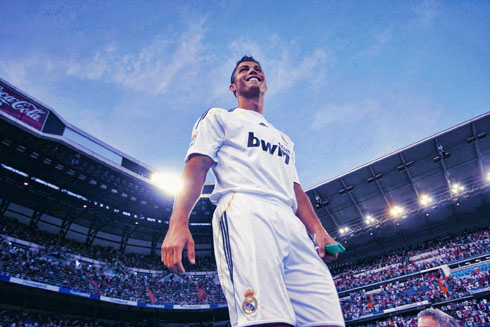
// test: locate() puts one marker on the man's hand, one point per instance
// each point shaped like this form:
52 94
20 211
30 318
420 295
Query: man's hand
307 215
322 238
177 239
179 236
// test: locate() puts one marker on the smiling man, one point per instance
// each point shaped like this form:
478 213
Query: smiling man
269 269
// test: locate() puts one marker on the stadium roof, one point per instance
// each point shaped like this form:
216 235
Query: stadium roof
55 168
432 187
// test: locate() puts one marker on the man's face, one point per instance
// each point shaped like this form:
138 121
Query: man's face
427 321
249 80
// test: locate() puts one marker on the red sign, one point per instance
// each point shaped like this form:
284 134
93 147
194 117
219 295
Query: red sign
14 104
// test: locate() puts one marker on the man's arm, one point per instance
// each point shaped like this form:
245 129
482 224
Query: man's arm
313 225
178 235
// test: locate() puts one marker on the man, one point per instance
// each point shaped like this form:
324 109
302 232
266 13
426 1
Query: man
435 318
268 267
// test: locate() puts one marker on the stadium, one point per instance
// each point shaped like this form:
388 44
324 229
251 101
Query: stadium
82 224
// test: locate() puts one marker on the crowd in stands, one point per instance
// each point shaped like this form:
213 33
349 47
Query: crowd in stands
14 318
47 267
17 319
469 313
406 261
14 228
430 286
54 263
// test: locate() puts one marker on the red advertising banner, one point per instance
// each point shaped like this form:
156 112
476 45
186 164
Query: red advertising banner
15 104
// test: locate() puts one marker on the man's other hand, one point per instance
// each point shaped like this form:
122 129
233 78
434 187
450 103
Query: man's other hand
321 239
177 239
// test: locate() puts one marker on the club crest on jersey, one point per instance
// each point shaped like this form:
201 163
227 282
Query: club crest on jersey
249 304
282 151
284 138
194 137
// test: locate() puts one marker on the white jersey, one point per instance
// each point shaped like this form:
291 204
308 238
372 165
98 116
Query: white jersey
250 155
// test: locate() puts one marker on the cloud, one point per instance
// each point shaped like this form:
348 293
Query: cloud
167 62
380 41
153 69
286 71
284 65
346 113
14 71
347 135
425 13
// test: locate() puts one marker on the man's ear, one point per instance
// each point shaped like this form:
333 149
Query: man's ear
233 89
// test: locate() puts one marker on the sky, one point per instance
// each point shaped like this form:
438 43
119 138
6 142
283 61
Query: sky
348 81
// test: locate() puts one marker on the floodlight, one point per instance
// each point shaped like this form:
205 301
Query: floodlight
169 183
343 230
425 200
396 211
487 177
369 219
456 188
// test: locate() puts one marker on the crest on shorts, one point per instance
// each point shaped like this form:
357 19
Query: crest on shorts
249 304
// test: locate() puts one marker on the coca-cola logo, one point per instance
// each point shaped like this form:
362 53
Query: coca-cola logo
17 106
23 107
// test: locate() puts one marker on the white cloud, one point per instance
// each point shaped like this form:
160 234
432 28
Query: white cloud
286 71
351 112
166 62
153 69
425 13
14 71
349 135
380 41
284 66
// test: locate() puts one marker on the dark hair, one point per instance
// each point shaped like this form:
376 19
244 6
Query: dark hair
244 58
443 319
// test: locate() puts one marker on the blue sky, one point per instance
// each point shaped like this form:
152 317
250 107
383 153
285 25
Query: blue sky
349 81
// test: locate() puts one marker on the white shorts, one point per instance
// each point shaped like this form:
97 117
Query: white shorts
268 266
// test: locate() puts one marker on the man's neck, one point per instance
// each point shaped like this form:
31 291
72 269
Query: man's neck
254 104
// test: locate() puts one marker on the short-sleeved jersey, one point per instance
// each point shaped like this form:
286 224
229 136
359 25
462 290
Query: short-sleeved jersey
250 155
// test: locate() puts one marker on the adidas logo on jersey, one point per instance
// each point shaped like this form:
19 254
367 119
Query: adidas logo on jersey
254 141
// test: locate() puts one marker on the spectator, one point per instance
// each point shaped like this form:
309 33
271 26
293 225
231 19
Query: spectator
435 318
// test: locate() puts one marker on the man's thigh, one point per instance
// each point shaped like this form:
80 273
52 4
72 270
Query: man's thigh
250 250
309 283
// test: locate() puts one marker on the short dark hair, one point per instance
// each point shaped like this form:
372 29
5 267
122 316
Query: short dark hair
443 319
244 58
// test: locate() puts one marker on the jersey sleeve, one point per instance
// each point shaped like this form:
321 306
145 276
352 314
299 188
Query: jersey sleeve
207 135
295 172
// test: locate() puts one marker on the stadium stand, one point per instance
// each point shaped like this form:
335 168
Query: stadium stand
12 318
407 261
471 312
81 224
58 264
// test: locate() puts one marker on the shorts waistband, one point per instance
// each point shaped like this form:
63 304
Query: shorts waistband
256 197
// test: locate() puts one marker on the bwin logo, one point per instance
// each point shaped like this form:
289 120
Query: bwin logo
266 147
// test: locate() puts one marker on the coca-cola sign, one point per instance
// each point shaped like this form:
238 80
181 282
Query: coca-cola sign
14 104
